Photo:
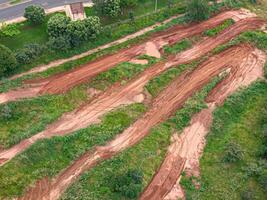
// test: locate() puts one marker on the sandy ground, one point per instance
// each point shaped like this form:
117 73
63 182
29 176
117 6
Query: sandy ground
61 83
163 106
125 94
191 142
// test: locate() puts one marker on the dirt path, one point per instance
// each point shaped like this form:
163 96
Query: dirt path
236 15
163 106
62 82
125 94
185 151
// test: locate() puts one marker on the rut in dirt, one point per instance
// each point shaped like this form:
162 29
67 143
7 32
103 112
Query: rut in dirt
128 93
163 106
185 150
63 82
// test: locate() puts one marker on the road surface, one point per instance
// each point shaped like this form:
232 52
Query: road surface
16 11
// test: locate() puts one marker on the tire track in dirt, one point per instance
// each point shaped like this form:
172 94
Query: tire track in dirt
185 151
62 82
163 106
126 94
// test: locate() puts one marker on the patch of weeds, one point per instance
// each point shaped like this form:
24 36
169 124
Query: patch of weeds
178 47
215 31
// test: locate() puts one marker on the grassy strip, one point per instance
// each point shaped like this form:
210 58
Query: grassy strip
215 31
145 157
178 47
49 156
241 120
21 119
257 38
107 35
157 84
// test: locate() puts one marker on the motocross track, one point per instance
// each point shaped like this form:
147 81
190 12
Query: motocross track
62 82
163 106
128 93
185 151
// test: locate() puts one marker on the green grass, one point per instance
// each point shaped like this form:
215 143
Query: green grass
178 47
145 156
158 83
48 157
215 31
240 119
33 115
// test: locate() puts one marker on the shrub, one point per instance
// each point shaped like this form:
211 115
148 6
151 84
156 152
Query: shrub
233 153
59 43
109 8
128 185
247 195
6 112
197 10
263 179
77 32
34 14
28 53
57 25
9 30
92 25
7 60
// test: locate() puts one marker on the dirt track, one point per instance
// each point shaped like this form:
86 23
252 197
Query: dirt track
190 144
126 94
62 82
163 106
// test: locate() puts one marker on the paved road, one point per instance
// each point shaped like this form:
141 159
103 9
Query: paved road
18 10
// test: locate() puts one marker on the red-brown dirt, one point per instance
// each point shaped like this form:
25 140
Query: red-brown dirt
128 93
63 82
188 147
163 106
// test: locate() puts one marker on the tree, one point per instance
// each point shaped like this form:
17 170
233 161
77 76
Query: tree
92 25
34 14
77 32
109 8
57 25
7 60
233 153
197 10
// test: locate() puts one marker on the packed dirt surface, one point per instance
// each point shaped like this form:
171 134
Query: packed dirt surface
63 82
163 106
191 142
127 93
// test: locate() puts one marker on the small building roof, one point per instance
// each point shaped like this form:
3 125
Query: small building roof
77 8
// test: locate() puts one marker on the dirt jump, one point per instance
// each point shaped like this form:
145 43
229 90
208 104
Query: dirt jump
238 59
62 82
185 151
128 93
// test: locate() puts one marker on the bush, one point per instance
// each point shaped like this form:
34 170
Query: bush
57 25
197 10
92 25
28 53
7 60
6 112
263 179
109 8
128 185
34 14
247 195
9 30
59 43
233 153
77 32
